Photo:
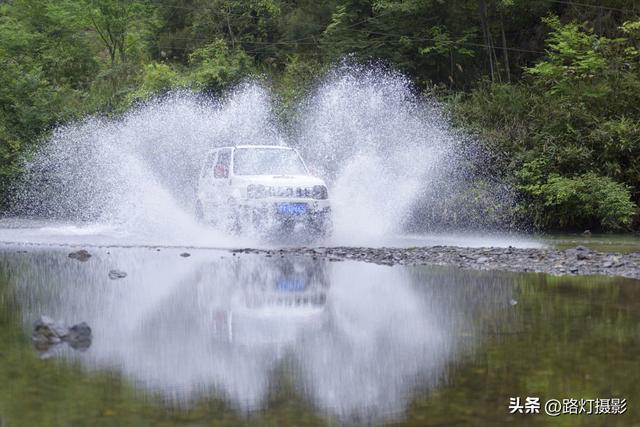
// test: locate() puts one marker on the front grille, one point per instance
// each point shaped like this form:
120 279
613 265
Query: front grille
290 192
318 192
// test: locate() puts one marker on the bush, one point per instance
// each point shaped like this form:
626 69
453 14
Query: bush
570 130
587 201
215 66
157 78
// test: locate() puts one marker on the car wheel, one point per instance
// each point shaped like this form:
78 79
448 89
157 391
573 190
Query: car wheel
322 227
234 222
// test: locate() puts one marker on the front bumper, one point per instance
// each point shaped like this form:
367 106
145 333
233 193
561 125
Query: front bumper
268 213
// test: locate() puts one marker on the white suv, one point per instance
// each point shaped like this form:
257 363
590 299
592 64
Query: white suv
266 188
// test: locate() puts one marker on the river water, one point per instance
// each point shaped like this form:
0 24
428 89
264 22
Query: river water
219 339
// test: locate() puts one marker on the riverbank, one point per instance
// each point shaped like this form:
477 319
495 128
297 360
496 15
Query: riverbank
576 261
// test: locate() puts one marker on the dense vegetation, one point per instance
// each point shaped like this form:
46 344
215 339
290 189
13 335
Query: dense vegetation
552 87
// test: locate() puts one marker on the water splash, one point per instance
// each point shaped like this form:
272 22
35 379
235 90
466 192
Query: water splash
138 173
390 158
378 142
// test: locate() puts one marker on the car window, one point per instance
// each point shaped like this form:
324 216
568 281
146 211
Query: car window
221 169
208 166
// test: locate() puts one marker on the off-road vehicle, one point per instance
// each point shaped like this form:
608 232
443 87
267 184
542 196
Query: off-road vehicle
262 188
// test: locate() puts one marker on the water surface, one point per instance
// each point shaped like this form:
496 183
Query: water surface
221 339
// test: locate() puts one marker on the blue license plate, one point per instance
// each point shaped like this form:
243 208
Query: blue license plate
292 208
291 285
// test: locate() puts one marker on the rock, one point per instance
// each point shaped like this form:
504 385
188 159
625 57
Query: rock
117 274
586 233
582 255
47 328
577 260
54 340
186 254
48 332
81 255
79 331
79 336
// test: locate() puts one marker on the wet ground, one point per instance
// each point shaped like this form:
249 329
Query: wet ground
218 338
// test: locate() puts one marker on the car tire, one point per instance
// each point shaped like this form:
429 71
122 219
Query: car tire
322 228
234 221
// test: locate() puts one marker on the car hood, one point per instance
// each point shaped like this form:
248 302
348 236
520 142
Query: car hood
279 180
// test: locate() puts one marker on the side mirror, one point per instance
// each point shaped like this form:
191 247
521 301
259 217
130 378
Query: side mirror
220 171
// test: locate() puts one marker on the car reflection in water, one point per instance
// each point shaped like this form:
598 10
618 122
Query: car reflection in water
355 339
272 301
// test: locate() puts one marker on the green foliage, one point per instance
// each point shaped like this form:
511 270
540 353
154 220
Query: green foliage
216 66
45 70
587 201
157 78
575 61
295 81
570 131
119 24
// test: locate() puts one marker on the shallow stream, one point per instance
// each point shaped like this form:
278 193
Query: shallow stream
219 339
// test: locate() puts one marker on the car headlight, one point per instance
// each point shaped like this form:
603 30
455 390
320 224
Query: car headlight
255 191
320 192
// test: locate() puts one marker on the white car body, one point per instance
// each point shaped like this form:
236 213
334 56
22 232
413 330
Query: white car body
237 198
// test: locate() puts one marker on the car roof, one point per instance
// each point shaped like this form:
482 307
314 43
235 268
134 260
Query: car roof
277 147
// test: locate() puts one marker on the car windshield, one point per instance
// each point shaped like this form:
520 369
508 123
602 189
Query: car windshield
267 161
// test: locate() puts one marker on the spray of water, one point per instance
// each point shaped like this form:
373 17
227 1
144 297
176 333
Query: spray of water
379 144
388 155
138 173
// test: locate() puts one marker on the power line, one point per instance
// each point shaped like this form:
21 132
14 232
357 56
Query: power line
595 6
461 43
350 26
246 51
301 41
481 45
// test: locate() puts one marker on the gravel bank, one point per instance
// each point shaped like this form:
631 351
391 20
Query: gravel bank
577 261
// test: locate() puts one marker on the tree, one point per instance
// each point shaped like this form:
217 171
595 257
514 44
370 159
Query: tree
216 66
114 21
